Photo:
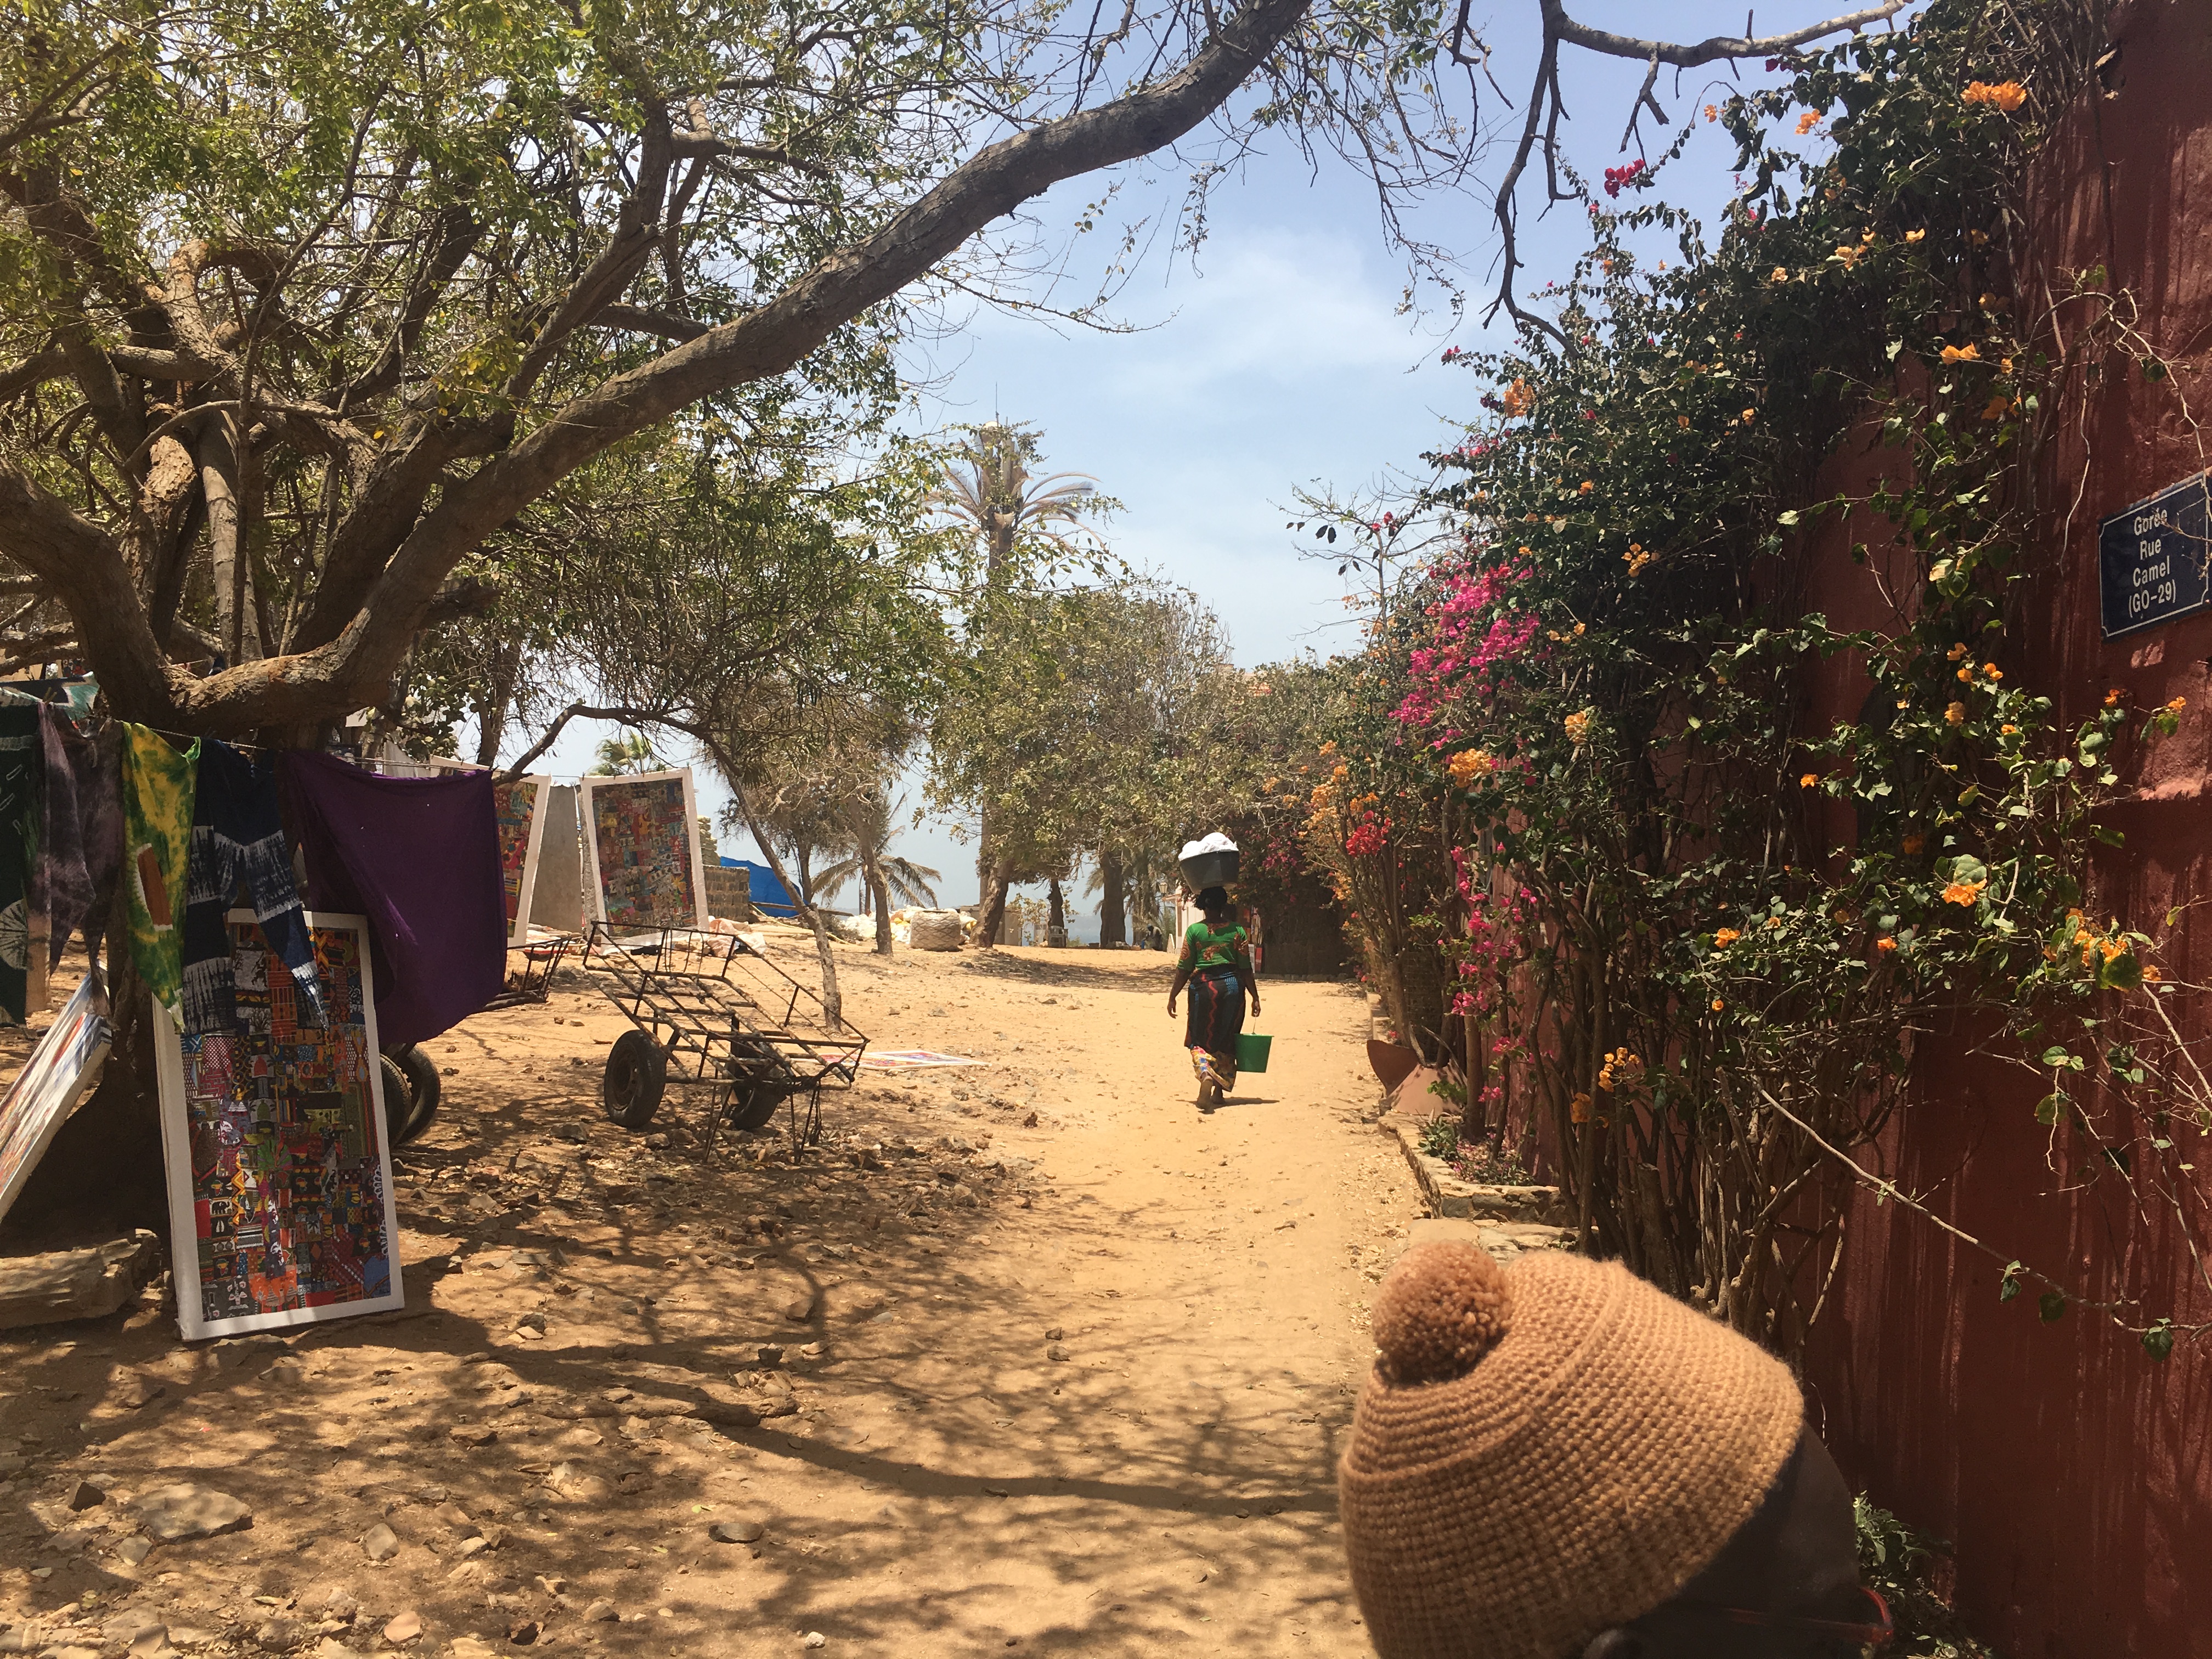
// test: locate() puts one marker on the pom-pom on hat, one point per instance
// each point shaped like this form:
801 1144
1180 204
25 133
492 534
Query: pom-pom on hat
1545 1451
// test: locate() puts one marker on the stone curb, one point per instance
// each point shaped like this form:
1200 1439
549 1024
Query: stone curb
1506 1220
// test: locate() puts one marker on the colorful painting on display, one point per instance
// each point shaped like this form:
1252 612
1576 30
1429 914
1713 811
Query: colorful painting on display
641 836
279 1168
59 1073
519 806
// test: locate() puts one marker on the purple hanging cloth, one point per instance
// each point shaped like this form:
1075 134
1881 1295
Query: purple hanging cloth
81 849
419 857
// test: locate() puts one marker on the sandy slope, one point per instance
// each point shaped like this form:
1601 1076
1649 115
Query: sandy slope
935 1478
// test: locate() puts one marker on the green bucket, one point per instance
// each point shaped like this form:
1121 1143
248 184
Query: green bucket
1252 1051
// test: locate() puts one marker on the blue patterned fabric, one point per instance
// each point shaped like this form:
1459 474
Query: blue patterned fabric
238 837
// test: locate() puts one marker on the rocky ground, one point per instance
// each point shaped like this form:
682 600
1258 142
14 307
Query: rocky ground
1031 1356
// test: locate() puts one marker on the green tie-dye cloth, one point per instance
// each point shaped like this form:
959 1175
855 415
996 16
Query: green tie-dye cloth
157 825
20 748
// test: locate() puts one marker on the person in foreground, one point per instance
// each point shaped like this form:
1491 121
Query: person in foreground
1561 1461
1216 964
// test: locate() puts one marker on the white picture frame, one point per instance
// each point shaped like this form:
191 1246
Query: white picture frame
533 841
64 1065
625 917
179 1128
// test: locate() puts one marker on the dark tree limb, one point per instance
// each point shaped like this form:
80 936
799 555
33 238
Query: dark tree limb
639 320
1711 50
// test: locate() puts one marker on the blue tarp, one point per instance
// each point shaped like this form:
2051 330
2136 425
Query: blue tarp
769 897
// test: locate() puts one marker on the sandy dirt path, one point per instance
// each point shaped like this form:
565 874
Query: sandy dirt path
1065 1362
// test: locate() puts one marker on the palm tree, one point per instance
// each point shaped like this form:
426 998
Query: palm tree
884 876
633 752
997 497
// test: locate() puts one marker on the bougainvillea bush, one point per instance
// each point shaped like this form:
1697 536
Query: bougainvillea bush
1693 937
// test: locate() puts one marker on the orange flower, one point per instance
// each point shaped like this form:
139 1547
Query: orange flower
1997 408
1781 275
2151 975
2177 705
2007 731
1718 1004
2112 696
1992 671
1808 121
1809 781
1956 714
1683 421
1712 111
2006 95
1516 399
1967 675
1749 415
1577 726
1915 235
1848 255
1725 938
1578 1109
1584 487
1963 892
1955 653
1968 353
1470 764
1885 944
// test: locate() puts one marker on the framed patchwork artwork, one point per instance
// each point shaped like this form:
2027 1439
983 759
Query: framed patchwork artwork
519 806
279 1165
644 868
60 1072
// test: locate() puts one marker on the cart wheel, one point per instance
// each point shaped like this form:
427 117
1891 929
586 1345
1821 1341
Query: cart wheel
637 1073
754 1099
412 1092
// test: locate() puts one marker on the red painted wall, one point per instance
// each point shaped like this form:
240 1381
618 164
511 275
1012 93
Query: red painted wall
2073 1472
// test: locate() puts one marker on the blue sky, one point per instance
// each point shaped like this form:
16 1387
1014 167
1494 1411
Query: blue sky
1280 356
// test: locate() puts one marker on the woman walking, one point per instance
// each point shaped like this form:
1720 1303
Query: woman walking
1216 964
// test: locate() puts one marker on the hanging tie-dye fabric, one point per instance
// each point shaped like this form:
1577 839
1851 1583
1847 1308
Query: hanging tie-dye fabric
158 783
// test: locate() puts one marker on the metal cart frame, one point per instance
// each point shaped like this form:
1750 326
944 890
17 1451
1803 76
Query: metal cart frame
534 981
709 1012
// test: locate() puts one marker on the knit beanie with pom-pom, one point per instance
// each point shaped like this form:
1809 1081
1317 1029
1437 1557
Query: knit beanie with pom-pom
1544 1452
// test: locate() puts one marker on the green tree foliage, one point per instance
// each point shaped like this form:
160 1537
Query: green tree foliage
1089 719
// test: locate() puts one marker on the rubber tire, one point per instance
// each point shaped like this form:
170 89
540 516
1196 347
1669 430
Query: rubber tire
412 1092
756 1109
636 1077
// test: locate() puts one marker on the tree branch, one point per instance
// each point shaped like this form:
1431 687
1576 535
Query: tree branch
639 320
1557 23
85 569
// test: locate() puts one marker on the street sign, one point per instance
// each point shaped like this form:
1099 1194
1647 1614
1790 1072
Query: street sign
2152 560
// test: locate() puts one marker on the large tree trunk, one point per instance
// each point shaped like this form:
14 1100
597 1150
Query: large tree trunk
994 907
1056 919
1112 898
219 482
880 895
